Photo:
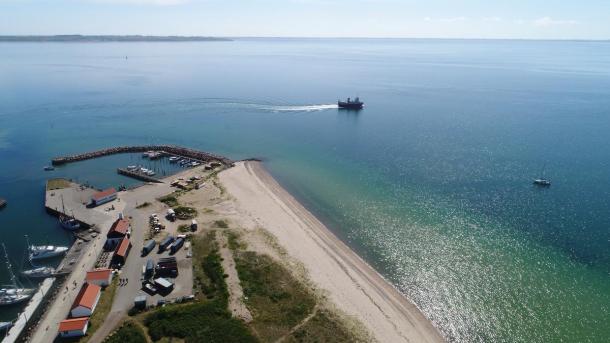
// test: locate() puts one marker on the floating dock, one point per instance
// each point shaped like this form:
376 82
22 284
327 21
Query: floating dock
167 149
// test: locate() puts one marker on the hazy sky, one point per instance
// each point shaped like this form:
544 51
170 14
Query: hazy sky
556 19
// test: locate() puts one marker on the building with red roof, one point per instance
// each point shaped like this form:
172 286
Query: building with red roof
103 197
121 253
120 229
75 327
100 277
86 301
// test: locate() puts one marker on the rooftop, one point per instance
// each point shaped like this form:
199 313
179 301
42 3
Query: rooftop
104 193
120 226
99 274
87 296
121 250
73 324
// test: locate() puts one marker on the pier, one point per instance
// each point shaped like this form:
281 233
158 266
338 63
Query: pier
138 175
168 149
29 312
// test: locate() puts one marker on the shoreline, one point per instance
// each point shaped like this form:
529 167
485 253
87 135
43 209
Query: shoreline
350 283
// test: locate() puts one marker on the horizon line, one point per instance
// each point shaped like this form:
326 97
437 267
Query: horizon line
299 37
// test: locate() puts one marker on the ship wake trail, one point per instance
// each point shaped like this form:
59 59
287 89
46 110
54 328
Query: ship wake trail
301 108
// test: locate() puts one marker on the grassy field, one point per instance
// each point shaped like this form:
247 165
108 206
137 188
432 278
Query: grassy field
57 184
277 301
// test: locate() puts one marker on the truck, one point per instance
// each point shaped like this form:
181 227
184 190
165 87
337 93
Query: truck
149 269
166 242
177 245
148 247
171 214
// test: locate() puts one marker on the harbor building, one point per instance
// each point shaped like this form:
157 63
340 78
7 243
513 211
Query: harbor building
86 301
100 277
120 229
120 254
75 327
103 197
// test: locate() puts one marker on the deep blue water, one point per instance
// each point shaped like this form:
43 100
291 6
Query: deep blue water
430 183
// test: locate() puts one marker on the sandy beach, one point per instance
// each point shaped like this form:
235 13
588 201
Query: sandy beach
343 277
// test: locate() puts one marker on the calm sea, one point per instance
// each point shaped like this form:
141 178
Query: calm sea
430 183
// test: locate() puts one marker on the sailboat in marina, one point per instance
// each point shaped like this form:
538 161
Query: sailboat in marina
37 271
66 221
13 293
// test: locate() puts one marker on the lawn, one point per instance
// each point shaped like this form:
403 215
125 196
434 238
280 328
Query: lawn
57 184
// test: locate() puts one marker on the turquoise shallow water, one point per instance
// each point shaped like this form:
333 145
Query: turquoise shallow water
431 183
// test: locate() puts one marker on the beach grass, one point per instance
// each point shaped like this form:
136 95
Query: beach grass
277 301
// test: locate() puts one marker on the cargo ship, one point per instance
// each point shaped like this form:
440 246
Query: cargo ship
355 104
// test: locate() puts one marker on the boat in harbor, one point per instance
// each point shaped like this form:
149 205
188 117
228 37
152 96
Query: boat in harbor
48 168
38 252
68 222
355 104
38 272
2 203
13 293
174 159
5 326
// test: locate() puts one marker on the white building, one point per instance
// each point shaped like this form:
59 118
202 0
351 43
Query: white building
86 301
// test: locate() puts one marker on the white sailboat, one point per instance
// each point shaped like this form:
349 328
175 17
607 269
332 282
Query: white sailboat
13 294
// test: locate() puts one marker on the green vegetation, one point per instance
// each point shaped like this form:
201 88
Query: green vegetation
183 228
208 275
130 332
57 184
144 205
170 200
198 322
275 298
234 242
222 223
184 212
325 326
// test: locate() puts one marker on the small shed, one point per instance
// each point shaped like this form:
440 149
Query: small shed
100 277
75 327
164 284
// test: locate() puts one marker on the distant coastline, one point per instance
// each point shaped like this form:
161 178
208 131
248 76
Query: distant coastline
110 38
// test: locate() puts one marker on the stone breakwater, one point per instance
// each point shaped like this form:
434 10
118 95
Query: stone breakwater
168 149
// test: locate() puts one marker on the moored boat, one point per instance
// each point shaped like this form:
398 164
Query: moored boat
38 272
37 252
13 293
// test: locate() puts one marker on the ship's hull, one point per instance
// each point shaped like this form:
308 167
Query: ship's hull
350 105
37 253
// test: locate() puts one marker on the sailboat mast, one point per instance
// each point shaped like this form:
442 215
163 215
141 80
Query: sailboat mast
9 267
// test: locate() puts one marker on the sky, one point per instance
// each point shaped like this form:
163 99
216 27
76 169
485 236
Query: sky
522 19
